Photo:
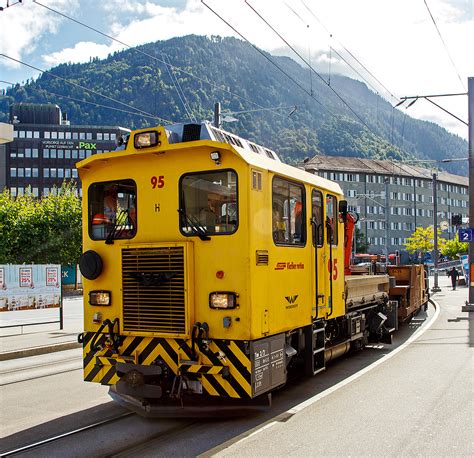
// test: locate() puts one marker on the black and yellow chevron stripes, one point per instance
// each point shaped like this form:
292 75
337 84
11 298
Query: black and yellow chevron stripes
224 370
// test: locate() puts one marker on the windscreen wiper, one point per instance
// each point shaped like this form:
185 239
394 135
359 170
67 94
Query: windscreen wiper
115 232
195 227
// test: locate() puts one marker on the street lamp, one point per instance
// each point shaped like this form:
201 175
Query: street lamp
435 288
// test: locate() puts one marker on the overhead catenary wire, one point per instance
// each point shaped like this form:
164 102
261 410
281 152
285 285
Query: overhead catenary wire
92 91
97 104
179 91
174 67
349 52
308 64
444 44
266 57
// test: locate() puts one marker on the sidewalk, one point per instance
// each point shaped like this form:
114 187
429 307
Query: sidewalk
18 341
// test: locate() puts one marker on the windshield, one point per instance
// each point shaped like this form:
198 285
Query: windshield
208 203
112 210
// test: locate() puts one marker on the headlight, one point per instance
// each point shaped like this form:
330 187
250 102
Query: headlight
222 300
146 139
100 298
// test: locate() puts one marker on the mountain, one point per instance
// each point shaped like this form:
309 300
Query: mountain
322 124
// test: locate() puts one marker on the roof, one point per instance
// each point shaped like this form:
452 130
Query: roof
177 138
380 167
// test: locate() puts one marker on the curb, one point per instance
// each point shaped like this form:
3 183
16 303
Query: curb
24 353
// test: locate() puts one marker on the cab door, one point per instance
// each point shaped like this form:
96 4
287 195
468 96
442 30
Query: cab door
319 252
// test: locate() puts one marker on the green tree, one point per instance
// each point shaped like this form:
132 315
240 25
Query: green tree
422 241
41 230
362 246
454 247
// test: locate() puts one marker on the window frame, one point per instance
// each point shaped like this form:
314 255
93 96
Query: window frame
304 235
321 238
335 238
90 216
180 200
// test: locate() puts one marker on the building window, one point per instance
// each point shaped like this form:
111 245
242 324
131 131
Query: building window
89 135
35 192
52 172
13 172
68 135
54 135
74 153
34 152
21 172
74 173
53 153
27 152
46 173
21 134
35 172
106 136
46 153
28 172
67 153
113 136
13 191
60 173
75 135
99 136
47 134
67 173
29 134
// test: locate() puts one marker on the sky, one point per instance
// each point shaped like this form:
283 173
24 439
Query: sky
403 47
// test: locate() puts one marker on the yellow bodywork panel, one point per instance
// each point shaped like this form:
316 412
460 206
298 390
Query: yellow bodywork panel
275 285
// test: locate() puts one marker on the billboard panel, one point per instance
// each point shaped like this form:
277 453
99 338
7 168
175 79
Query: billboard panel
25 287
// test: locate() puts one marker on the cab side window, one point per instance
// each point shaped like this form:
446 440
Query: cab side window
317 216
331 219
288 213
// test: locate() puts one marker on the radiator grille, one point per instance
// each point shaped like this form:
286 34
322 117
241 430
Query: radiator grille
154 290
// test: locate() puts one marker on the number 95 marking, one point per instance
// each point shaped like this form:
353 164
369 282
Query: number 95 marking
157 182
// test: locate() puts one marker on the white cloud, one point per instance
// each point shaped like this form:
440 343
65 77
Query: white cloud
81 52
23 25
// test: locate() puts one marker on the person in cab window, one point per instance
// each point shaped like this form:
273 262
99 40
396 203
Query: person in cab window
278 225
298 220
208 215
110 204
330 229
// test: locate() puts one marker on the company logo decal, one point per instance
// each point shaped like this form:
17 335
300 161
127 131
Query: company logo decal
289 265
291 301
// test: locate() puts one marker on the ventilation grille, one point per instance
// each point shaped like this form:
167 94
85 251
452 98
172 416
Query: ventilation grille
262 257
154 290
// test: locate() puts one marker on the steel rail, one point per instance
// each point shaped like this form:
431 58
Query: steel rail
61 436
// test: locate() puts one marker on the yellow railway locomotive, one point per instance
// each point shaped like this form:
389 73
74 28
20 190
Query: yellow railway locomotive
210 268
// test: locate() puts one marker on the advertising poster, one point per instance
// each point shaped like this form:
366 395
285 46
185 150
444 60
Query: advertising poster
26 287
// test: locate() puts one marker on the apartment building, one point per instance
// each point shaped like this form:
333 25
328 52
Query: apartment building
408 204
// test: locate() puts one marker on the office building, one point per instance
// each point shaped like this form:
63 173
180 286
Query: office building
46 147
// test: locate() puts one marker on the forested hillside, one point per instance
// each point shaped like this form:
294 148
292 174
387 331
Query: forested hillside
321 124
